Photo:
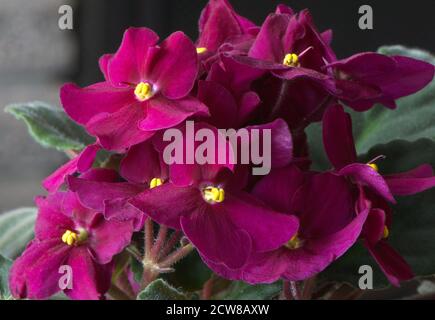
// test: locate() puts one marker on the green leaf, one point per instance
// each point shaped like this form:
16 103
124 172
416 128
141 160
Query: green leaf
413 119
413 229
5 265
160 290
137 269
16 230
242 291
50 126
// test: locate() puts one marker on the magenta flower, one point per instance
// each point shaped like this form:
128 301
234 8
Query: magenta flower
340 148
224 223
106 193
80 163
146 89
328 228
219 23
292 55
66 233
225 226
222 29
290 47
369 78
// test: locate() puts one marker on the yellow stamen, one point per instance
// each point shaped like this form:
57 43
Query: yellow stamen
201 50
374 166
73 239
291 60
386 232
143 91
294 242
213 194
155 182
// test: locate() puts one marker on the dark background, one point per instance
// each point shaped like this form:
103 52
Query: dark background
101 23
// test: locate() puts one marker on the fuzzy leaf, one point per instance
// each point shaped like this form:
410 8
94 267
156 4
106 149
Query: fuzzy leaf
50 126
242 291
5 265
16 230
160 290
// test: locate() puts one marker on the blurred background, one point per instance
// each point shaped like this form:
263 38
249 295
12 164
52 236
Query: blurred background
36 57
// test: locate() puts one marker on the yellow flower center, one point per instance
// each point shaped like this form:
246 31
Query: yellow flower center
374 166
73 238
386 232
201 50
155 182
291 60
143 91
213 194
294 243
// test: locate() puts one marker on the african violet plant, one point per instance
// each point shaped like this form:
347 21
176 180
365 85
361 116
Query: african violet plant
127 224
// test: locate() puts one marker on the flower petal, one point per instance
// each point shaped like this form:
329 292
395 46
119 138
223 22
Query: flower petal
278 188
338 138
411 182
108 238
81 163
90 280
51 223
218 22
103 62
119 130
395 268
82 104
324 205
35 274
252 216
364 174
92 194
167 203
267 45
281 142
163 113
128 64
142 164
214 235
221 103
175 66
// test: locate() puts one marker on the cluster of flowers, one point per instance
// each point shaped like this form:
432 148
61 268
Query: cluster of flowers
290 224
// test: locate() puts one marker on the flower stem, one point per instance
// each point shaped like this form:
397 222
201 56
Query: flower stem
158 244
172 241
175 256
290 291
117 294
207 289
309 286
294 290
276 108
149 236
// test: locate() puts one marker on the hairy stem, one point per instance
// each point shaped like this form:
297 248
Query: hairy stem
117 294
207 289
294 290
309 286
149 237
175 256
170 244
158 244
